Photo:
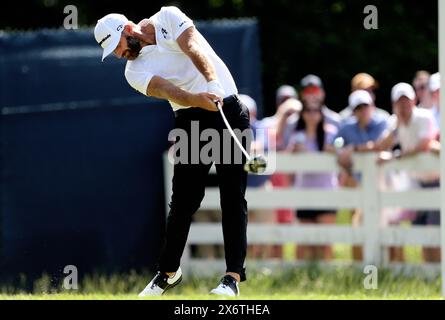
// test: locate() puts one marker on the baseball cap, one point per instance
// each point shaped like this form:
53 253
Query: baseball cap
249 102
363 81
402 89
285 91
359 97
311 80
108 32
434 82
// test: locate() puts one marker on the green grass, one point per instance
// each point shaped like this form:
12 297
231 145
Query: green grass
343 252
310 282
208 297
292 284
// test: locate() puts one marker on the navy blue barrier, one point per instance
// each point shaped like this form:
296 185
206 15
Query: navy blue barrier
81 176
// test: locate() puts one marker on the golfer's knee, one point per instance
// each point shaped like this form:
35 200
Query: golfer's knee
182 201
184 208
234 202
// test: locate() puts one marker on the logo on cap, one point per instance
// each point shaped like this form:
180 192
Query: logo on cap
103 40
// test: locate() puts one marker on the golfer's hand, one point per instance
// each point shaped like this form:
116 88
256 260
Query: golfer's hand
207 101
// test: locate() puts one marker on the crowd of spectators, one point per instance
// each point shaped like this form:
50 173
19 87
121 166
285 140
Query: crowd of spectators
304 123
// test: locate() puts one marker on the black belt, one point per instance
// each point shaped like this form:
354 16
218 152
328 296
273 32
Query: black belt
231 99
227 100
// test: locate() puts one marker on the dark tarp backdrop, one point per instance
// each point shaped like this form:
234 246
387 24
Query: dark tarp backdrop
81 151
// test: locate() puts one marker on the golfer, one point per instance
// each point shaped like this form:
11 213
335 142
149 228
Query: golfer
169 59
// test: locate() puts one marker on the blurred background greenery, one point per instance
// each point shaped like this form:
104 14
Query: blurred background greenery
324 37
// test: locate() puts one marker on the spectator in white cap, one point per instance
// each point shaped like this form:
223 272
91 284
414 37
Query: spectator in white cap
285 92
434 88
366 126
358 134
363 81
288 108
414 131
415 126
288 112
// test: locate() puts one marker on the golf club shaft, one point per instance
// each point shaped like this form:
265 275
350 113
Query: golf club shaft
218 105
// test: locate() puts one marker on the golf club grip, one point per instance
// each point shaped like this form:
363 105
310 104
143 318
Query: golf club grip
218 105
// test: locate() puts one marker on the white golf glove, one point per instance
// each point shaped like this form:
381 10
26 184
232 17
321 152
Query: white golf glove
215 87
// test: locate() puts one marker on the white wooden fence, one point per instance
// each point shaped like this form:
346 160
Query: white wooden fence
368 197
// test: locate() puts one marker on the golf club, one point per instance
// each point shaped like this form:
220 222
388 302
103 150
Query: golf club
256 164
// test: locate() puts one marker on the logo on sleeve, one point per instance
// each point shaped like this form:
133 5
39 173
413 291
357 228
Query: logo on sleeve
164 33
182 23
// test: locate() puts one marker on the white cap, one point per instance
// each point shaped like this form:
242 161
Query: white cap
311 80
402 89
286 91
249 102
108 32
359 97
434 82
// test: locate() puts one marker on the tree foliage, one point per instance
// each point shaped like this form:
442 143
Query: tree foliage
324 37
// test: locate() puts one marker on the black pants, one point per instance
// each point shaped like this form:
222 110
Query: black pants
189 182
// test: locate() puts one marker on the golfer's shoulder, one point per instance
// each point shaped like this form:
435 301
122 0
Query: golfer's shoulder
134 70
137 76
171 14
167 10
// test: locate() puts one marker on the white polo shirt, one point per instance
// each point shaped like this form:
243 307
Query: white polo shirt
420 126
166 59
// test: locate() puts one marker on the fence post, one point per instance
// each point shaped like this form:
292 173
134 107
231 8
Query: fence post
442 128
371 210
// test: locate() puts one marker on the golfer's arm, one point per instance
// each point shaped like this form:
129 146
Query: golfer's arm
164 89
189 44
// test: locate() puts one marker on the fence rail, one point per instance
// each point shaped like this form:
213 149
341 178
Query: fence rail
368 196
